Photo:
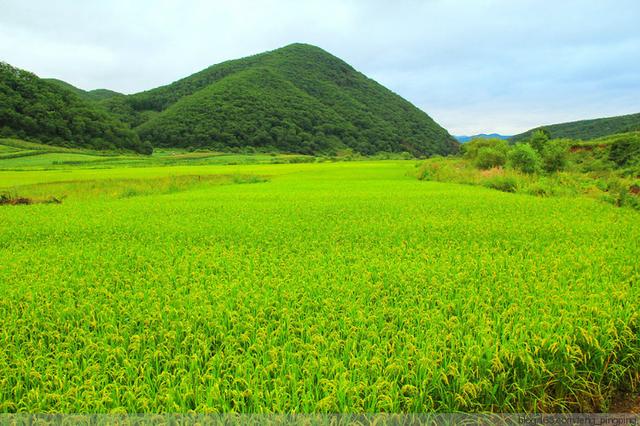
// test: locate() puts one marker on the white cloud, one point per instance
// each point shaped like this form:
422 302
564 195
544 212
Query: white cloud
475 65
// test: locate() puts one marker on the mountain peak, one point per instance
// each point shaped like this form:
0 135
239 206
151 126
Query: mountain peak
297 98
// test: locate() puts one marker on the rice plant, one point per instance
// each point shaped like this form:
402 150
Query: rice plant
333 287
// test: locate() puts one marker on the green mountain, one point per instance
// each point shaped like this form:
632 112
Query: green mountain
588 129
35 109
90 95
298 98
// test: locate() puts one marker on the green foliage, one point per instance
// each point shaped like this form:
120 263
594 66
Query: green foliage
502 183
297 99
625 150
524 158
539 139
32 108
91 95
555 155
617 187
470 149
334 287
603 155
487 158
588 129
146 148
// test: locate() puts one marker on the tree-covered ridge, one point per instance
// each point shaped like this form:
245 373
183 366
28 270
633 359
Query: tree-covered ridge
298 98
588 129
35 109
91 95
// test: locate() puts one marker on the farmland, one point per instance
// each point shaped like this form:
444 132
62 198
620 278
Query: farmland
237 285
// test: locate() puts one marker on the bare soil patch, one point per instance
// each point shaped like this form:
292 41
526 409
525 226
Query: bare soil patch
626 403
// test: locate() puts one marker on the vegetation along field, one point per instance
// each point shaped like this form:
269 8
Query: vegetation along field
229 283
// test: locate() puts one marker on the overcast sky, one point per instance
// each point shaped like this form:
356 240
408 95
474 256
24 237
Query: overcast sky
474 66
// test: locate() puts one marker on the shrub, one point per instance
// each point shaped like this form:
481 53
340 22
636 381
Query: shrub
554 155
625 151
404 155
597 165
502 183
471 149
539 139
145 148
540 189
524 158
490 157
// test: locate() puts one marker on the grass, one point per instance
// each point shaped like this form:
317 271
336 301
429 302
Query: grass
124 187
332 287
17 155
41 160
604 185
8 149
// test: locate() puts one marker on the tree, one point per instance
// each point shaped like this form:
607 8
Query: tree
538 139
524 158
490 157
37 109
554 155
146 148
471 149
625 150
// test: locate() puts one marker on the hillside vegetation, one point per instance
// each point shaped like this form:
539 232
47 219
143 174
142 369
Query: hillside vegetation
92 95
606 168
35 109
298 98
464 139
588 129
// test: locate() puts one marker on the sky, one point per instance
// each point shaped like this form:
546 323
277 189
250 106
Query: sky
473 65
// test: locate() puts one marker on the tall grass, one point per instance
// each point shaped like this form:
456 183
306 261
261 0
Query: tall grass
605 185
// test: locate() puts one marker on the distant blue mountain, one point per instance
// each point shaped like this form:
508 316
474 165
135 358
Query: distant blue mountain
463 139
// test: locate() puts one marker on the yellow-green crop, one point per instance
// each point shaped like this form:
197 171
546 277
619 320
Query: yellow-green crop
338 287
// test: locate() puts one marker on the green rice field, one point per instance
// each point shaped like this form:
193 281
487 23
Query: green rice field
244 286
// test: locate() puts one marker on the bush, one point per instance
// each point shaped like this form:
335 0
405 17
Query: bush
502 183
488 158
404 155
524 158
145 148
539 139
554 155
625 151
540 189
472 149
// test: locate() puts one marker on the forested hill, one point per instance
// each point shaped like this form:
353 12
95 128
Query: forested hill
298 98
588 129
32 108
93 95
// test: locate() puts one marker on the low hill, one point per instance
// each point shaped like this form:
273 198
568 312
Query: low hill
91 95
35 109
464 139
298 98
588 129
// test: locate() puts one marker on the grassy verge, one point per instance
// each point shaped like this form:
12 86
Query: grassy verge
606 186
56 192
